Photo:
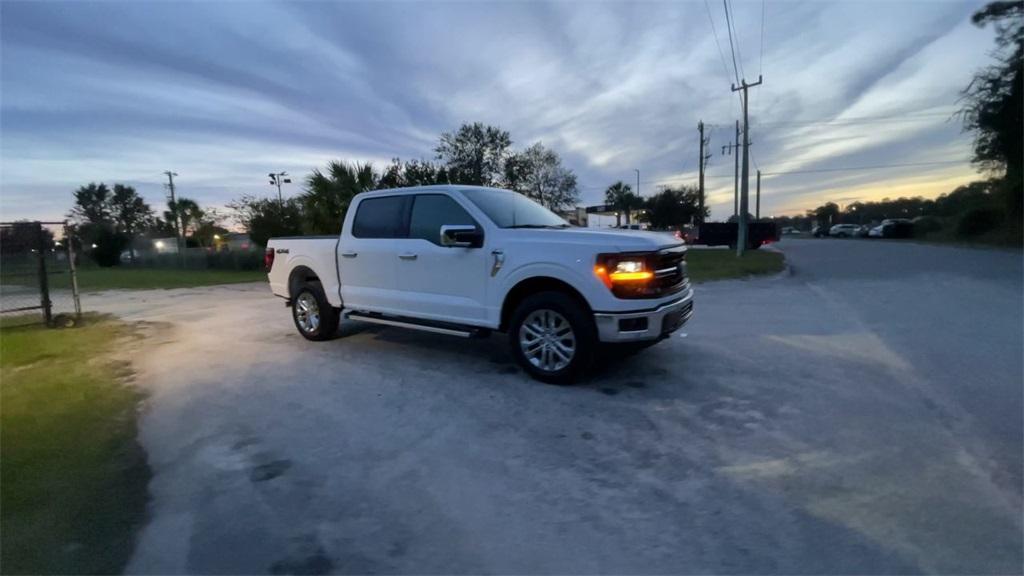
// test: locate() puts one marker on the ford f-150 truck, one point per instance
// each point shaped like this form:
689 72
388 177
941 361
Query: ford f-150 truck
466 260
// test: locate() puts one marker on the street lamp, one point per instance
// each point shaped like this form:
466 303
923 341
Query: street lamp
276 179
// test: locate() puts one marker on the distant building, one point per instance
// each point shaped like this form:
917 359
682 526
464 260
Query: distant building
576 216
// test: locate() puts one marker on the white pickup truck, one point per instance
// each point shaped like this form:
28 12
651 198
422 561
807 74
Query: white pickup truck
465 260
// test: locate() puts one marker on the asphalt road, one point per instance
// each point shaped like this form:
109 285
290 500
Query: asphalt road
861 415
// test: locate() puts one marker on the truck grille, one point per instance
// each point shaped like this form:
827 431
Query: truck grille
670 270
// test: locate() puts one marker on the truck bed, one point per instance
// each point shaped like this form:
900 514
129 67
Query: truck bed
317 253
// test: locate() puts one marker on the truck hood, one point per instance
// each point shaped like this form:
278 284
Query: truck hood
601 240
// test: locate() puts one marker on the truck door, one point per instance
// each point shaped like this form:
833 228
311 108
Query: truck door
435 281
367 253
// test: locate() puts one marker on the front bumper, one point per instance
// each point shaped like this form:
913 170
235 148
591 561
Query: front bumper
645 325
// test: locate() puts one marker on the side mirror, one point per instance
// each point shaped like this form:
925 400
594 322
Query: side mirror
461 236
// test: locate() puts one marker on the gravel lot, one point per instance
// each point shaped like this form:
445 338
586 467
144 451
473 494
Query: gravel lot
861 415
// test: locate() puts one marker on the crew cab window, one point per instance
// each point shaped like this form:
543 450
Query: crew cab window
431 211
380 218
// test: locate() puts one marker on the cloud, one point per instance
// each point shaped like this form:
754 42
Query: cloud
223 93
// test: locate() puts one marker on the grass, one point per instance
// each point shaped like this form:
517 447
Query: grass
73 481
708 265
92 279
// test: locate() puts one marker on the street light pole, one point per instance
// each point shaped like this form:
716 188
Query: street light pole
275 180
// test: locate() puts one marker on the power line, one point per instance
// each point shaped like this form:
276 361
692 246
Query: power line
761 59
725 67
732 49
735 34
855 168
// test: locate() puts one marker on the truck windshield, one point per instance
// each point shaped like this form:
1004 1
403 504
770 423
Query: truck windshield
509 209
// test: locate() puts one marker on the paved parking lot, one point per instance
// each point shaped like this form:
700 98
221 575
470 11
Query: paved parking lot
862 415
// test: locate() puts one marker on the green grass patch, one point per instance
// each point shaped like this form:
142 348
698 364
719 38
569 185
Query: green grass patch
708 265
95 279
73 480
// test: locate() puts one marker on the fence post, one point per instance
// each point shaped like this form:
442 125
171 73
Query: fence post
44 282
74 272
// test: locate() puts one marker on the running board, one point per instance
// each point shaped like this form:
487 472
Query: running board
450 329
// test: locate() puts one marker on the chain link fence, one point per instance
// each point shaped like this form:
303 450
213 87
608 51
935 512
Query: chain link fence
37 273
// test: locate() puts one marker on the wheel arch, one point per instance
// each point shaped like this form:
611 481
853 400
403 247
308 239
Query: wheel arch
533 285
299 276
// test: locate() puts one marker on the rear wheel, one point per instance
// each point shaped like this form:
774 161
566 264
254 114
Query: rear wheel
552 337
314 316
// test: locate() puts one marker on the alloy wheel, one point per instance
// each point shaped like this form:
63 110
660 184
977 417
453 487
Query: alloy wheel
547 340
307 313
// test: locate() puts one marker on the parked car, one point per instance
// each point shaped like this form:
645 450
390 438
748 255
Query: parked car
465 260
791 231
843 230
893 228
819 231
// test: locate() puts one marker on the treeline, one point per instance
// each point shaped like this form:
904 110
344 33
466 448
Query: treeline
972 211
475 154
107 221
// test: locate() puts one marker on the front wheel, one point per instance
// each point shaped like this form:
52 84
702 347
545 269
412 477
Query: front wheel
314 316
552 337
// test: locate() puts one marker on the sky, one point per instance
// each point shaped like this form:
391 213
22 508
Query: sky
222 93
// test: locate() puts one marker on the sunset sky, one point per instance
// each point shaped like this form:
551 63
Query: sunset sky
223 93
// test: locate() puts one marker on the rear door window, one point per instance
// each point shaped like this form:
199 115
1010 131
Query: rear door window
380 218
431 211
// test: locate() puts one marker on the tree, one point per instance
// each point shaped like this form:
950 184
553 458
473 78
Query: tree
412 173
994 108
23 236
826 214
92 204
266 218
109 220
474 154
537 172
673 207
621 198
183 212
130 214
329 194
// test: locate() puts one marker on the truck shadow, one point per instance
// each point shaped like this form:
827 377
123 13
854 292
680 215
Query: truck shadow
613 372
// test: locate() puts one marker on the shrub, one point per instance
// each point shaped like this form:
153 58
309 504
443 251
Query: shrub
978 221
925 225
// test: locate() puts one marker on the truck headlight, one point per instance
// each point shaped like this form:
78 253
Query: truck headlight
614 269
628 267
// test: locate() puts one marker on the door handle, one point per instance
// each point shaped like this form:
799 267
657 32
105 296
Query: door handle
408 256
349 254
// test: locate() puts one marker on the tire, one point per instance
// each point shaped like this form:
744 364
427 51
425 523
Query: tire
313 315
564 331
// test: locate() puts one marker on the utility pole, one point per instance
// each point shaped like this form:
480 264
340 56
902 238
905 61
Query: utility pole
637 170
702 162
736 175
734 149
174 208
275 180
700 177
741 241
757 211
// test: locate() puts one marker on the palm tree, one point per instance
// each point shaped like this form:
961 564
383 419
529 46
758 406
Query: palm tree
620 197
184 212
328 195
